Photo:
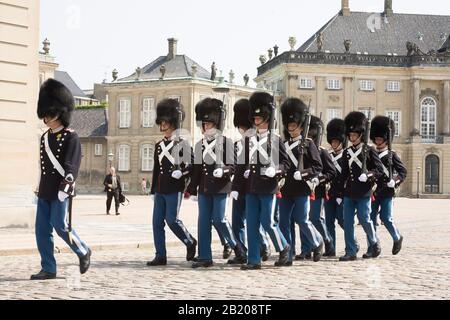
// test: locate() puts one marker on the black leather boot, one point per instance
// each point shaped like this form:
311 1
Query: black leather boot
158 261
397 246
43 275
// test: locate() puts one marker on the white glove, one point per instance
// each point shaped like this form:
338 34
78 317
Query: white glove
338 201
363 178
62 196
152 197
218 173
246 174
234 195
177 174
298 176
315 181
270 172
194 198
391 184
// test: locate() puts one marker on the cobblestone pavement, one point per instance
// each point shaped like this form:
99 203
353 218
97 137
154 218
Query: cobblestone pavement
420 271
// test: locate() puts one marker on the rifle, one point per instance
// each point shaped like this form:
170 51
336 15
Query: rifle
220 140
365 146
271 128
302 145
178 138
389 143
320 133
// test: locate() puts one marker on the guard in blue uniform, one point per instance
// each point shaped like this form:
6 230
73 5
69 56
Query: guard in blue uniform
242 122
319 186
60 159
172 167
334 205
359 172
211 180
381 133
267 163
295 201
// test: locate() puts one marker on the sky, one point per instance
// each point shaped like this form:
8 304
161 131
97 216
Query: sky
89 38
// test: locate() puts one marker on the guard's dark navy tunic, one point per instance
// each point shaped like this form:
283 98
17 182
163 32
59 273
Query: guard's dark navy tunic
312 164
66 148
327 175
165 164
336 185
399 175
352 170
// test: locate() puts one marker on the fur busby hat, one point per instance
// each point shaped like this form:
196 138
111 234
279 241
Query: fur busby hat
168 110
293 110
55 100
260 106
336 131
380 128
355 122
315 129
209 110
241 114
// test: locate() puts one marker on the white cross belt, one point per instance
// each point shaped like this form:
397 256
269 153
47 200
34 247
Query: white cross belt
354 158
165 153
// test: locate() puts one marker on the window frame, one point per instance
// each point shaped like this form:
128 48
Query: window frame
120 164
127 114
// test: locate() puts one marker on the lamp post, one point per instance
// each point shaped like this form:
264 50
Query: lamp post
110 158
418 178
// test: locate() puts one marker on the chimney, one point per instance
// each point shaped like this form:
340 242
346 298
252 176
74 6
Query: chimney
345 10
172 48
388 8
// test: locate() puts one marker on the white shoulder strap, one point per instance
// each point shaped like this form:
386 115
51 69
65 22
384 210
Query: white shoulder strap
52 158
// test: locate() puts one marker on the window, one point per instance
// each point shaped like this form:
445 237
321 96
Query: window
428 118
396 116
306 83
366 85
393 86
124 113
125 186
333 113
98 149
178 98
148 112
334 84
124 158
147 157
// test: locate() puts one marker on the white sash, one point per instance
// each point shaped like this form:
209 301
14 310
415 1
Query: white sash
52 158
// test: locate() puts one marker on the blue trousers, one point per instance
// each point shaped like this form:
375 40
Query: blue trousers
166 210
212 212
362 206
53 215
261 211
334 212
316 218
238 218
295 210
383 207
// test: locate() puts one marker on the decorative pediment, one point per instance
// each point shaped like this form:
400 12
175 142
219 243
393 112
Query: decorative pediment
334 98
429 92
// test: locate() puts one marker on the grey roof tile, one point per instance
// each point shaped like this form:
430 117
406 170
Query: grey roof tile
67 80
89 123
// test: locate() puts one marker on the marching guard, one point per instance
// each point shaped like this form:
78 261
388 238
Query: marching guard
267 163
172 167
211 180
305 165
382 134
60 159
361 168
334 206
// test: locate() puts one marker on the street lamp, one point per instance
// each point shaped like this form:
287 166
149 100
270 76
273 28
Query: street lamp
110 158
418 178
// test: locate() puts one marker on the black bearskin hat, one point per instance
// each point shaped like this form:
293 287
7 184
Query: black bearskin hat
380 128
336 131
241 114
293 110
168 110
355 122
209 110
315 129
260 106
55 100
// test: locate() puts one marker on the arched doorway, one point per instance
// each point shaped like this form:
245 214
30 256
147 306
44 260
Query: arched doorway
432 174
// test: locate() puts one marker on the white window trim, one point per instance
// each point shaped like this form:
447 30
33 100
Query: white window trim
336 112
367 85
390 88
125 186
175 97
124 163
125 123
306 83
149 159
428 122
148 116
398 124
331 84
98 149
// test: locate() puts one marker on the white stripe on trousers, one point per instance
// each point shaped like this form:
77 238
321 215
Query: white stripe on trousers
272 223
74 236
311 228
230 231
